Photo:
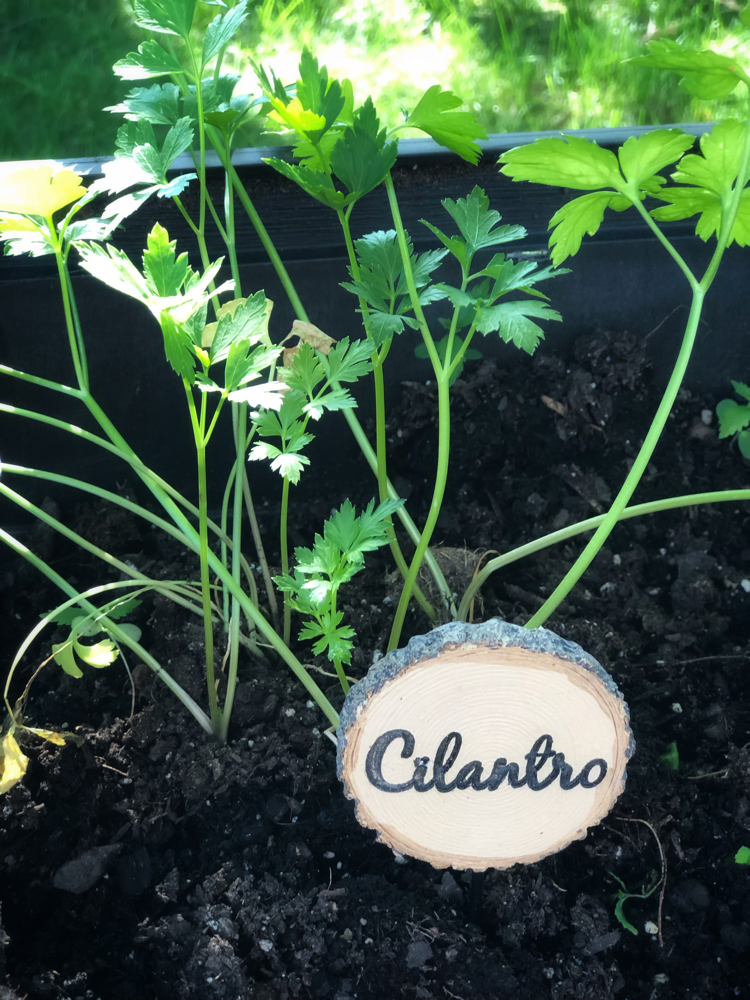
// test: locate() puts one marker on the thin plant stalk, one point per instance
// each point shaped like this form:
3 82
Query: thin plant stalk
118 634
699 289
591 523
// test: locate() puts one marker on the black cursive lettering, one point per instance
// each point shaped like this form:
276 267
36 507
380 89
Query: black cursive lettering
374 761
471 775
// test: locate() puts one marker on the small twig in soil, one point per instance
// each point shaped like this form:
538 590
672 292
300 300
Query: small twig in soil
635 819
722 773
659 325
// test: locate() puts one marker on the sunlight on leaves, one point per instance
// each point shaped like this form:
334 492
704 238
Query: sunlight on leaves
39 190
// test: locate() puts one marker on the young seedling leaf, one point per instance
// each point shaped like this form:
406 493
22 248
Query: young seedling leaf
458 130
171 17
150 60
221 30
733 417
742 857
705 74
741 389
569 162
643 156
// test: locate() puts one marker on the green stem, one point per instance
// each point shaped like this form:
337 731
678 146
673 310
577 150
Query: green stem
653 507
65 288
634 476
343 680
265 239
82 542
284 543
113 629
729 214
199 428
441 476
234 621
380 438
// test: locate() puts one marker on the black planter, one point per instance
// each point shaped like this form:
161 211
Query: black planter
621 279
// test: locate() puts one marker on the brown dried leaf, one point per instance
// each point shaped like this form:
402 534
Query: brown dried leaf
308 333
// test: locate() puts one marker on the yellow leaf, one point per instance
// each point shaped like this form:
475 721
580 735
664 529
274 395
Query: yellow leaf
47 734
14 224
13 764
299 118
39 190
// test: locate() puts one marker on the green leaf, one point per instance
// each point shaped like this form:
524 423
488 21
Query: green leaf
457 130
35 242
150 60
178 347
509 276
671 757
317 94
511 320
567 162
176 141
314 182
361 158
692 201
717 168
477 221
239 320
158 104
741 389
171 17
100 654
165 272
347 362
623 895
744 16
742 857
575 219
222 29
330 636
733 417
706 74
641 157
65 657
114 268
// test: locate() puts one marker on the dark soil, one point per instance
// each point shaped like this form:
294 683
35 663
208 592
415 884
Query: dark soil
148 862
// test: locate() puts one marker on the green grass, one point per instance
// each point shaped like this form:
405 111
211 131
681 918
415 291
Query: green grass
56 76
521 64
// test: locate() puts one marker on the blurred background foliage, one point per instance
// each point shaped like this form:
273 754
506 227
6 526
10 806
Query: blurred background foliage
521 64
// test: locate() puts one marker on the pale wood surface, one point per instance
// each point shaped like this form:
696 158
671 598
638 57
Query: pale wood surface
500 701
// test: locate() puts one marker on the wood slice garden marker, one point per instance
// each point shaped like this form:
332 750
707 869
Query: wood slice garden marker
484 746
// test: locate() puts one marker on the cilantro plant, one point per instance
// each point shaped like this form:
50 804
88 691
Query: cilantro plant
711 184
269 394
